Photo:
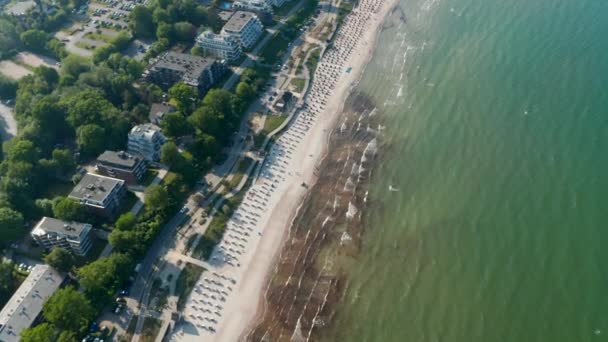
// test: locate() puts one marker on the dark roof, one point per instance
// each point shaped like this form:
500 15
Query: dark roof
120 158
94 187
186 63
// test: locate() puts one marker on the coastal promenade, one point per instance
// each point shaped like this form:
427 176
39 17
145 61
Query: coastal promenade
254 234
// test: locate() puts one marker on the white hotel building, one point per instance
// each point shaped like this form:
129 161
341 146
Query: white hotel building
221 46
244 26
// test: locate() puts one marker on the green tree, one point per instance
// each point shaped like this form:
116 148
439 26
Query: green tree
67 336
184 95
160 15
102 277
141 22
102 53
156 198
7 282
244 91
11 225
45 206
126 221
65 160
69 309
91 139
184 31
165 31
169 155
197 51
22 151
44 332
175 125
74 65
124 240
208 120
48 74
61 259
67 209
8 88
34 40
121 41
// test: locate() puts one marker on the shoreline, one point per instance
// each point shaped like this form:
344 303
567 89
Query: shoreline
290 170
381 17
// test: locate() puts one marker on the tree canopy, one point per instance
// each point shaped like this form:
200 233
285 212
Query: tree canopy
44 332
61 259
68 309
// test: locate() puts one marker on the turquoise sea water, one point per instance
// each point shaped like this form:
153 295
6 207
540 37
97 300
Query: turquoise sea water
497 139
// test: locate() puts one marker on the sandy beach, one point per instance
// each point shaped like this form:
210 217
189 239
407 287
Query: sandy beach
255 234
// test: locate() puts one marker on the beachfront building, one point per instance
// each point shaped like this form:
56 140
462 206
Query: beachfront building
245 27
23 309
101 195
195 71
121 165
221 46
261 8
146 140
73 236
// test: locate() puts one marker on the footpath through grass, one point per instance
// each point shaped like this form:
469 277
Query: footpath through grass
185 283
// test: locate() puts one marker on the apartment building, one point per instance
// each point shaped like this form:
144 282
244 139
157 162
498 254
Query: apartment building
146 140
101 195
244 26
73 236
122 165
195 71
23 309
221 46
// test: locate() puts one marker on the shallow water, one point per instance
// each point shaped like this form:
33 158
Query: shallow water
496 116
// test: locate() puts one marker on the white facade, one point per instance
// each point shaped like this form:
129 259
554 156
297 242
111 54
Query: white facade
146 140
73 236
246 27
253 5
220 45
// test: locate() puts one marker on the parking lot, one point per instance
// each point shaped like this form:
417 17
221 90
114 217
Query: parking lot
101 21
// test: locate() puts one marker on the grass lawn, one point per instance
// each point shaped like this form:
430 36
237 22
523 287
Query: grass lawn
185 283
99 37
151 329
273 122
239 172
313 60
298 84
85 46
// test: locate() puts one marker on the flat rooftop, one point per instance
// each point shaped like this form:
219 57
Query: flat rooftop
183 62
238 21
25 305
94 187
225 15
120 159
53 225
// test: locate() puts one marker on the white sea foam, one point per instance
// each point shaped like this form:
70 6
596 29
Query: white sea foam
352 211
